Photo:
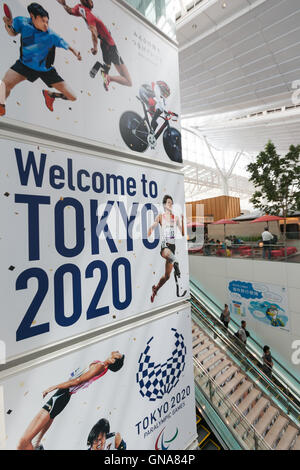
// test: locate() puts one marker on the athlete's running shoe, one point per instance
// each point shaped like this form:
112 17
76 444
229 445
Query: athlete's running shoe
154 293
176 269
48 100
106 80
2 109
105 68
40 447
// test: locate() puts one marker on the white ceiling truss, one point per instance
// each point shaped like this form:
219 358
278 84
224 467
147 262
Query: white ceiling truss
239 63
200 178
244 56
251 133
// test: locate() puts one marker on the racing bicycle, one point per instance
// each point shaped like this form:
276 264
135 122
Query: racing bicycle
138 133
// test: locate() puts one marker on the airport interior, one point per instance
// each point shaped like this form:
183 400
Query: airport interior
150 225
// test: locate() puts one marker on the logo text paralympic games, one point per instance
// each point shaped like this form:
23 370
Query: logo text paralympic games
162 441
157 380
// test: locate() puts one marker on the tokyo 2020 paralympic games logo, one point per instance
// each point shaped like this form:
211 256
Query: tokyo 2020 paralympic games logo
157 380
161 441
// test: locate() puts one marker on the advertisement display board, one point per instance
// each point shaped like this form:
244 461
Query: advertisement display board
260 302
86 242
96 72
145 400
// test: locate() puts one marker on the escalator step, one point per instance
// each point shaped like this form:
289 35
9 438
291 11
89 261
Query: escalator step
240 391
210 445
226 375
219 368
208 355
270 414
276 430
203 434
296 446
218 357
288 438
202 347
247 402
230 386
198 340
257 410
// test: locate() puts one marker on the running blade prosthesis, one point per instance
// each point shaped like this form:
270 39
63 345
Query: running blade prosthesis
177 285
95 69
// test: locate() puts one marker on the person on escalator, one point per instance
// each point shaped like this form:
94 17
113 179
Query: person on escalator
267 362
242 334
225 316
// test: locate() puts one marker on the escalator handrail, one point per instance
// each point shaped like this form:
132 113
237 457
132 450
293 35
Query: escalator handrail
251 339
238 412
253 366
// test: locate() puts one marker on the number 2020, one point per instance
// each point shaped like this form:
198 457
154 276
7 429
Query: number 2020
27 330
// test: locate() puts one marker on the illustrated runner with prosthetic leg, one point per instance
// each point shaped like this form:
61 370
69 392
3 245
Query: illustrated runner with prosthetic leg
109 49
37 54
78 380
168 222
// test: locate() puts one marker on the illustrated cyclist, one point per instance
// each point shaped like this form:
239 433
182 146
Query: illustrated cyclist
37 54
154 96
109 49
79 379
168 223
101 439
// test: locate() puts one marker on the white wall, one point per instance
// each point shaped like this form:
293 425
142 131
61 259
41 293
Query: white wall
214 274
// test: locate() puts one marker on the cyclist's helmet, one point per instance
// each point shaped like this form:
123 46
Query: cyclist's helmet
164 88
146 92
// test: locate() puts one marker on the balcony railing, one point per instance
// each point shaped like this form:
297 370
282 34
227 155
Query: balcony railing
288 251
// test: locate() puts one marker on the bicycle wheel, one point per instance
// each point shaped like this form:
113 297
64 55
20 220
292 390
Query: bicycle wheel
134 131
172 144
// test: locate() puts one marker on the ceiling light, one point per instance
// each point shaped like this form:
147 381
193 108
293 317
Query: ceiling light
224 4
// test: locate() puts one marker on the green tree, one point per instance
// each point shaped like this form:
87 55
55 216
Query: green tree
277 181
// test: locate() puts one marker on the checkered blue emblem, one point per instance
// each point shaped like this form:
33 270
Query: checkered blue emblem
157 380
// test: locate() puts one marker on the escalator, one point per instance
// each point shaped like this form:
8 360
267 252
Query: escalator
284 379
206 439
240 403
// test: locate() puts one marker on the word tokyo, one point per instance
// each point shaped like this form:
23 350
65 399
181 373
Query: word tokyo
32 169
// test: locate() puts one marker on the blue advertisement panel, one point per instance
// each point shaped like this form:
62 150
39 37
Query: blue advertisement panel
262 302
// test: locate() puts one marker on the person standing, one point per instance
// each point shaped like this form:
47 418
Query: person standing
228 245
242 334
267 362
267 237
206 245
225 316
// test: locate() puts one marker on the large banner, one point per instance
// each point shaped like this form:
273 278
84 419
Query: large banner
86 241
134 390
262 302
93 70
